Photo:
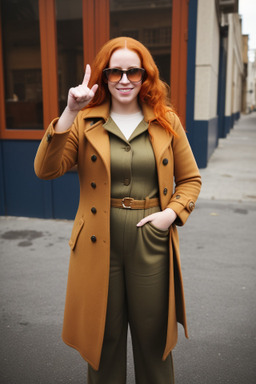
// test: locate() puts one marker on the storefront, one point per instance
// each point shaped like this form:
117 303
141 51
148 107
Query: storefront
43 51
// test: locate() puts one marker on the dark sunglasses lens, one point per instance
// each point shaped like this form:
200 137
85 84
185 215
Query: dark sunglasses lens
114 75
135 74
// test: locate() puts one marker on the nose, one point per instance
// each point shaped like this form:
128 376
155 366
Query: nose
124 79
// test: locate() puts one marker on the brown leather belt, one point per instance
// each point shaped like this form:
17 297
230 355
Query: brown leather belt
130 203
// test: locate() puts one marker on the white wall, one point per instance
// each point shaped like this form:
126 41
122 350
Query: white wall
207 61
234 66
251 87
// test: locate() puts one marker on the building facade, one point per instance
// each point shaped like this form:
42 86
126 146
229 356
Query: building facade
44 47
215 74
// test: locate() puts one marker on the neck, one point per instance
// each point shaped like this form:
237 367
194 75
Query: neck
125 109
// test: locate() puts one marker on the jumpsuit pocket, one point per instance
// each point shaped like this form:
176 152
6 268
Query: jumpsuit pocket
75 233
157 230
154 249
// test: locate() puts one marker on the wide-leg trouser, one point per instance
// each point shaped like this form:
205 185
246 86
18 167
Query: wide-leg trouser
138 295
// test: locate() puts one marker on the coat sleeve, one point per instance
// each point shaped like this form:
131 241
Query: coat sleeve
186 175
57 152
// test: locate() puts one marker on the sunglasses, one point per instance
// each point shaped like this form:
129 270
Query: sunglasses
114 75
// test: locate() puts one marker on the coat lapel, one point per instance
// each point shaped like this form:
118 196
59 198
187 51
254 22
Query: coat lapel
160 139
95 133
99 139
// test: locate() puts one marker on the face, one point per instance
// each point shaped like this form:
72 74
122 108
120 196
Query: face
124 93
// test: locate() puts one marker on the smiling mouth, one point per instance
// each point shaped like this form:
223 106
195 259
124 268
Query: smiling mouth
125 90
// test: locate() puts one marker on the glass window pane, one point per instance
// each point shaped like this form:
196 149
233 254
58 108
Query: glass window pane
22 64
70 47
148 21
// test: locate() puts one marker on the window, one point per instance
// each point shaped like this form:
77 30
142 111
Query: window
22 64
148 21
70 47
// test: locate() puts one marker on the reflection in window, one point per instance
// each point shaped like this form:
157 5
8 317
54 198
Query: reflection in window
148 21
70 47
22 64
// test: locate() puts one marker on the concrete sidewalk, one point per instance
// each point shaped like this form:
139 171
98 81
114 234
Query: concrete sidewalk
219 271
231 171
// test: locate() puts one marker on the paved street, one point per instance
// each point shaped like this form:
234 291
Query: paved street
219 270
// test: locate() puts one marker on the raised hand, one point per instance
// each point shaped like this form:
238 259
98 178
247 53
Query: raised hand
80 96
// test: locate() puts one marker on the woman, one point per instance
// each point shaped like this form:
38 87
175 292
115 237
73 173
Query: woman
129 146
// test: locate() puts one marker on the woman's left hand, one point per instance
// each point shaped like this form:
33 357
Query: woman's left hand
162 220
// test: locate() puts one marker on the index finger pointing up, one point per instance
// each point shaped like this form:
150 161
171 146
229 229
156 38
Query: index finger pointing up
87 75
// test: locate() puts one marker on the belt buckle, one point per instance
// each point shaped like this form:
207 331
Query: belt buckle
129 200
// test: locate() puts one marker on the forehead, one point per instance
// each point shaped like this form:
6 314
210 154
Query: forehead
124 58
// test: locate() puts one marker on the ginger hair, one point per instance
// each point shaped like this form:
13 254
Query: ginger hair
154 91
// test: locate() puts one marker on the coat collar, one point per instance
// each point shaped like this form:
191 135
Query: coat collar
98 112
102 112
98 136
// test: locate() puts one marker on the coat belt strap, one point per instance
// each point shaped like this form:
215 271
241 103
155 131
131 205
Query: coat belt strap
130 203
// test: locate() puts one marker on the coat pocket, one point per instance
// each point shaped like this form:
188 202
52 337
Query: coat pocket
75 233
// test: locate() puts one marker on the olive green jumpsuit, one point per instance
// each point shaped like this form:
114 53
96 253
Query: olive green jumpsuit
139 269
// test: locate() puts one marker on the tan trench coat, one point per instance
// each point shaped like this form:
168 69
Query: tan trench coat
87 145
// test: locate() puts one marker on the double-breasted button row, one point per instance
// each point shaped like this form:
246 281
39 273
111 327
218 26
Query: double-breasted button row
93 159
165 162
93 210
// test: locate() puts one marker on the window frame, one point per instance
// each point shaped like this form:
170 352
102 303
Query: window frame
47 26
179 57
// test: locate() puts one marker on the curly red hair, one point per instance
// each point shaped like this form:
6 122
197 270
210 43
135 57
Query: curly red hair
154 91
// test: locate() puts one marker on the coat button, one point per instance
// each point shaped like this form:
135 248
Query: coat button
93 185
127 181
48 138
177 197
127 148
165 191
94 210
93 239
93 158
191 206
165 161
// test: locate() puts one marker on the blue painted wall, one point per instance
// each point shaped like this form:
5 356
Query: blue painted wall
2 193
197 131
205 140
203 135
23 194
222 131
